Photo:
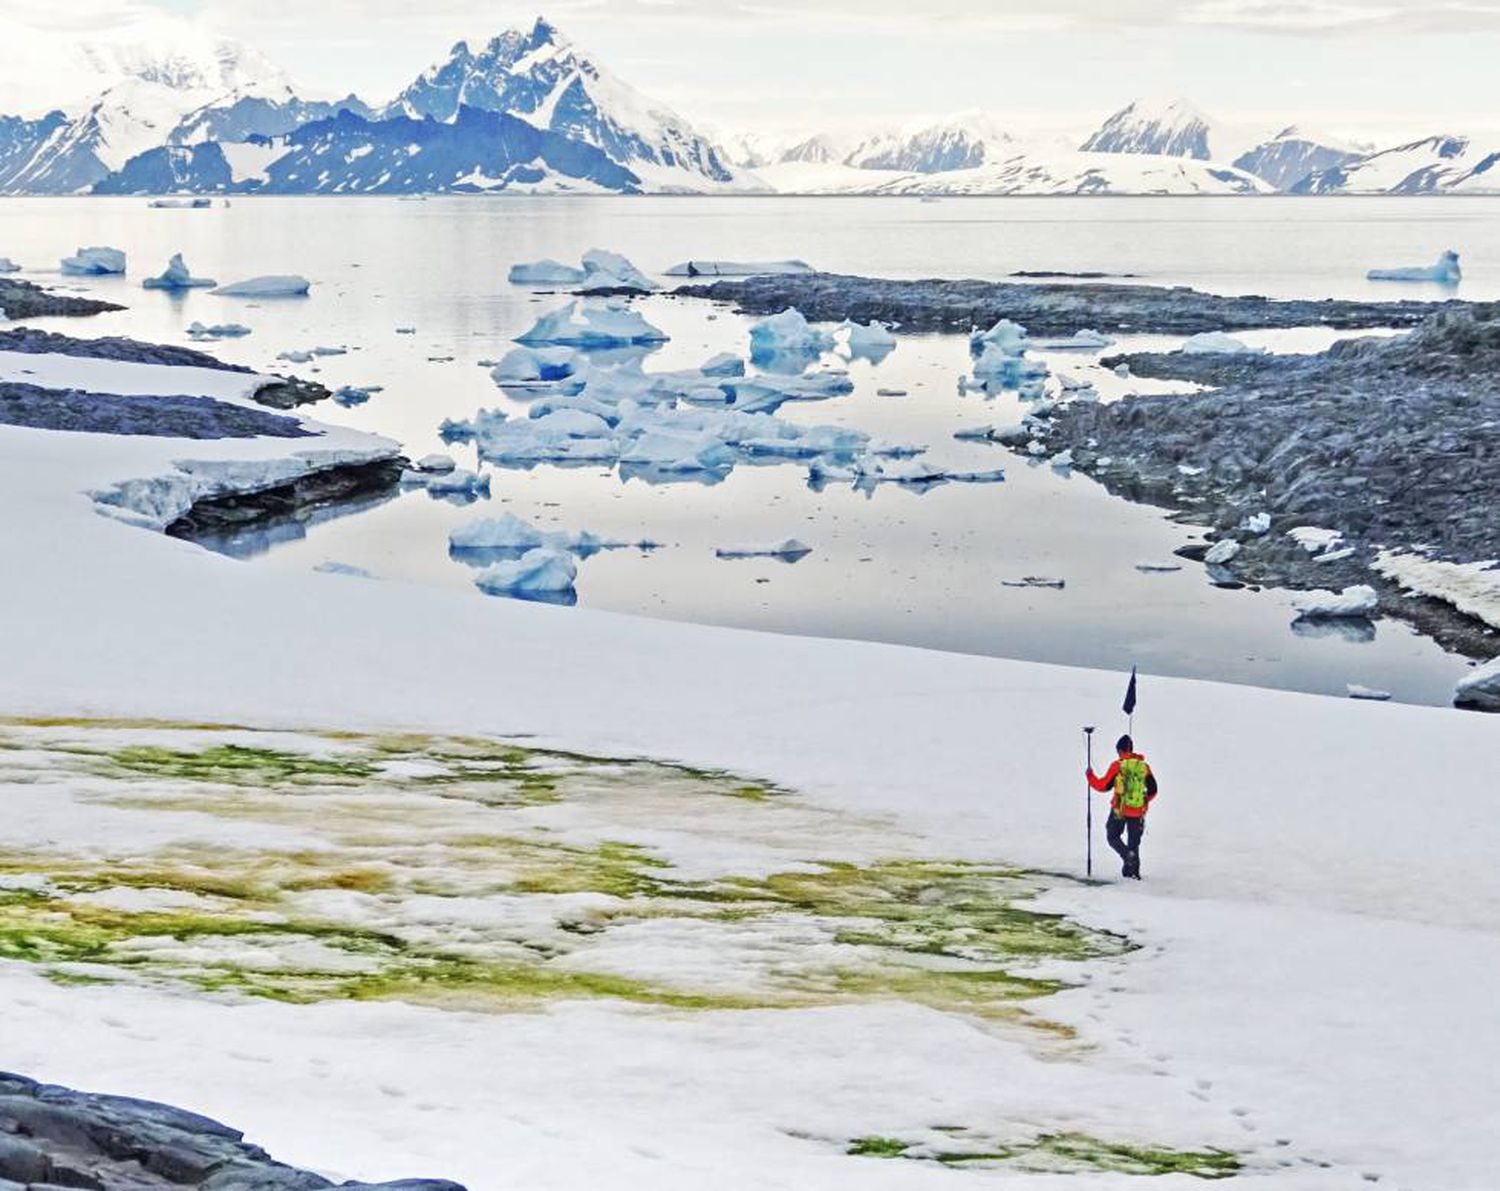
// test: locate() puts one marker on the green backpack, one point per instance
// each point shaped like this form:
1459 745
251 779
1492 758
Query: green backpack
1130 786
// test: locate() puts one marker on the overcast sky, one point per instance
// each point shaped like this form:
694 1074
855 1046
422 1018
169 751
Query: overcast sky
1379 68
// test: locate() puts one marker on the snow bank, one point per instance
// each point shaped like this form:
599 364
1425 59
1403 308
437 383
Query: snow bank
1359 601
270 286
177 276
545 272
1218 343
1444 271
593 324
698 268
539 572
1473 588
94 262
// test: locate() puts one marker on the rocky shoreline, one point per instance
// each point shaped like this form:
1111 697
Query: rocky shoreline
23 299
52 1137
214 517
1391 444
1051 309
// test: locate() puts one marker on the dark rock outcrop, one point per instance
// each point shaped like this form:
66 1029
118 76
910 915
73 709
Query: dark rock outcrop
111 347
55 1137
223 515
941 305
160 417
22 299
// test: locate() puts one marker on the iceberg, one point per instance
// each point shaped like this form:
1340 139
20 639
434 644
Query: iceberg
1078 341
94 262
608 271
511 533
723 364
270 286
787 333
556 369
1445 271
457 482
545 272
1005 336
607 323
1359 601
869 340
1218 343
739 268
197 330
348 396
8 266
790 550
177 276
436 463
543 571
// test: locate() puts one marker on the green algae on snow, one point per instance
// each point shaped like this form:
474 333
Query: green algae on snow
1057 1153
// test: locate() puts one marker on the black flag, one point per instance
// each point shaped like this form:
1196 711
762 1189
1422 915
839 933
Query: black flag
1130 694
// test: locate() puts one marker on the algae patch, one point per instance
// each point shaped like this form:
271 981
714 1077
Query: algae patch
1050 1153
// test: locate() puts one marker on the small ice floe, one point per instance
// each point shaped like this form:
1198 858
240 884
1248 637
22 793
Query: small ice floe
352 395
1157 568
458 482
436 464
8 266
740 269
181 204
511 534
545 272
1445 271
278 285
1360 601
609 271
790 550
1036 581
342 568
1221 552
1078 341
892 393
593 323
177 276
1218 343
94 262
787 333
197 330
723 364
1257 524
553 369
1480 689
295 357
1356 691
406 330
539 573
1008 337
871 341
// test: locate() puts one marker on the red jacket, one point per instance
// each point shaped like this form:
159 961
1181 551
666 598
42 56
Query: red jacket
1107 782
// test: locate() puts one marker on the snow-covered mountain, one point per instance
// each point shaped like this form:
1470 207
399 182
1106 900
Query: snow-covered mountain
1293 154
542 77
258 112
1163 127
1433 165
960 142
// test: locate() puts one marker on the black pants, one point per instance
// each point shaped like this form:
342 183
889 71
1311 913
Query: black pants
1124 836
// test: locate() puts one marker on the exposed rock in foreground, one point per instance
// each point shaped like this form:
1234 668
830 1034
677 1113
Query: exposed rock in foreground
214 517
22 299
31 341
54 1137
1393 443
162 417
939 305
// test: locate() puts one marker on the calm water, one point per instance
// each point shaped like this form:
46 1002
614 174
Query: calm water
924 568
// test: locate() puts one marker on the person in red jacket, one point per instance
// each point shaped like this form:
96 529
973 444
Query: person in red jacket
1133 787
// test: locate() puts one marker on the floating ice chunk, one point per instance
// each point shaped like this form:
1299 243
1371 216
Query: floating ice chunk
509 532
669 452
457 482
546 272
873 339
739 268
406 330
1361 601
997 365
270 286
1157 568
611 271
539 572
177 276
352 395
1218 343
547 405
723 364
94 262
1480 688
989 475
1035 581
557 369
790 550
1221 552
1356 691
1258 524
787 333
197 330
1005 336
436 463
1078 341
1445 271
295 357
1062 461
608 323
181 204
343 568
8 266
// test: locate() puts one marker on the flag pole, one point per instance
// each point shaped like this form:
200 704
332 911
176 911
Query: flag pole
1088 804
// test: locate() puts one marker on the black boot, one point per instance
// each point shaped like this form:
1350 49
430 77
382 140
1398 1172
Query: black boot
1133 866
